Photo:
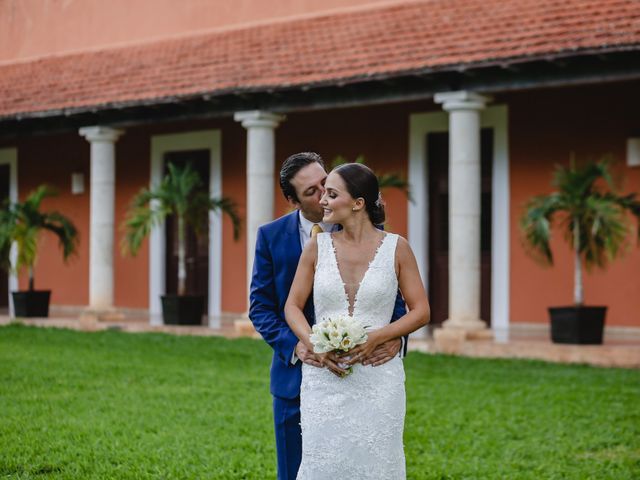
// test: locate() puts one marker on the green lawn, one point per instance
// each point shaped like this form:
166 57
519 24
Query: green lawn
112 405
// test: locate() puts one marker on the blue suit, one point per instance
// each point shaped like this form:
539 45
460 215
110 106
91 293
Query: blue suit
277 254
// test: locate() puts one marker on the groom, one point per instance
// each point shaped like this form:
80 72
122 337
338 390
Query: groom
279 245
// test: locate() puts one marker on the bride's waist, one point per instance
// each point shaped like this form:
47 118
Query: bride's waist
368 324
392 367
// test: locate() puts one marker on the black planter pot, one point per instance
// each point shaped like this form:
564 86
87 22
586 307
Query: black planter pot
182 309
577 325
31 303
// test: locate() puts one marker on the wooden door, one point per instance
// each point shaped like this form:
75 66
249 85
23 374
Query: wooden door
438 184
197 248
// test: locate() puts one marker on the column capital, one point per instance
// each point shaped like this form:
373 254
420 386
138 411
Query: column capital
99 133
461 100
258 118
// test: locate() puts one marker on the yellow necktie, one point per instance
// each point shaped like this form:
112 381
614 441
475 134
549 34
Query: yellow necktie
315 230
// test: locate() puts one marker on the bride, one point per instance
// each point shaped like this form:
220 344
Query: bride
352 424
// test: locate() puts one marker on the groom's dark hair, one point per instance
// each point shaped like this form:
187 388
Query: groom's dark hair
291 166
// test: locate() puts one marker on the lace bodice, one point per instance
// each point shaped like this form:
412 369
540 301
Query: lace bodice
375 297
352 427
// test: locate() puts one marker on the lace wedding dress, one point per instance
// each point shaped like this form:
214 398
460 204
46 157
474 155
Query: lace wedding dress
352 427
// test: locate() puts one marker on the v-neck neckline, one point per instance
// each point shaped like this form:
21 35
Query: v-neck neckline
351 309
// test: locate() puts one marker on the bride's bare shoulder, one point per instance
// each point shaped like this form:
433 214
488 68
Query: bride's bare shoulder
403 249
402 242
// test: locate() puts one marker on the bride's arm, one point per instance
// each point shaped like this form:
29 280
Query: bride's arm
299 293
418 311
294 307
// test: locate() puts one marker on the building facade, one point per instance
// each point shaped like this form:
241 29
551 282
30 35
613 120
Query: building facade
473 102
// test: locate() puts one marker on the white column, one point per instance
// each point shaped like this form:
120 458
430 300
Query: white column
464 208
101 244
260 173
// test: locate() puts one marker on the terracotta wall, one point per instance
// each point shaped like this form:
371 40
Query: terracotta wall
545 127
131 274
30 28
51 160
234 258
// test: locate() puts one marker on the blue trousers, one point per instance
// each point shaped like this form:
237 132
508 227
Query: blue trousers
286 416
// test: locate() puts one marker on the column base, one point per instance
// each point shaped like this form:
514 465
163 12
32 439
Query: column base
474 328
453 335
90 317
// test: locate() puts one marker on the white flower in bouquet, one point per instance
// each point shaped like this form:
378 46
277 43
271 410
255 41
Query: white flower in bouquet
337 334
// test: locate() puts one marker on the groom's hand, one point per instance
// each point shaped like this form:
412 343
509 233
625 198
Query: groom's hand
383 353
307 356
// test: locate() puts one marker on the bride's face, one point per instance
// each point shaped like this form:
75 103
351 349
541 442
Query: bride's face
336 202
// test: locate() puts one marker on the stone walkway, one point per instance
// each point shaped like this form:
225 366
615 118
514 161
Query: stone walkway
619 350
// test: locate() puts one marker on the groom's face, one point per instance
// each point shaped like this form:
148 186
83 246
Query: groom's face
309 186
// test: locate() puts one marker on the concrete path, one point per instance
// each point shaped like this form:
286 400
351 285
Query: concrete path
617 351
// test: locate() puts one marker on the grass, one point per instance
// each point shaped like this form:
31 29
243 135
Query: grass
152 406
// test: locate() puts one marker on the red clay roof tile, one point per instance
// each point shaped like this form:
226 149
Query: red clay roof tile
435 34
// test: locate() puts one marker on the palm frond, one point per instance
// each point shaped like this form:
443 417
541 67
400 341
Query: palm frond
26 238
33 201
337 161
178 193
22 223
8 219
629 204
138 224
585 197
536 225
228 207
65 230
603 231
198 213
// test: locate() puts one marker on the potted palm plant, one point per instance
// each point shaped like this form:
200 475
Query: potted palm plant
178 194
22 224
594 218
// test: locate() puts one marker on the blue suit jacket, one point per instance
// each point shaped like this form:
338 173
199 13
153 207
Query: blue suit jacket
278 251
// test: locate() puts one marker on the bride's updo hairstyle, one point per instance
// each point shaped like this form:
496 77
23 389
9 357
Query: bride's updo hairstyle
361 182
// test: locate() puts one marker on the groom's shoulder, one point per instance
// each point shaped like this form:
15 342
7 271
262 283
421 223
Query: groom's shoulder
283 223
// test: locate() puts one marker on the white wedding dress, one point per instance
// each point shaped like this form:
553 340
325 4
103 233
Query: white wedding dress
352 427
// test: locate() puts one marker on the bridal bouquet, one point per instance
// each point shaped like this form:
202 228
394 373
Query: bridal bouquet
337 334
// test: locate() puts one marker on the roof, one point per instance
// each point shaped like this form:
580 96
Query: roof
382 42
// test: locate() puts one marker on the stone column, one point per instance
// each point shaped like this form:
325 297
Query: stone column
101 243
260 174
464 210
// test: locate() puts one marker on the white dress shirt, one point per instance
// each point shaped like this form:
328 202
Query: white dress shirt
304 226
